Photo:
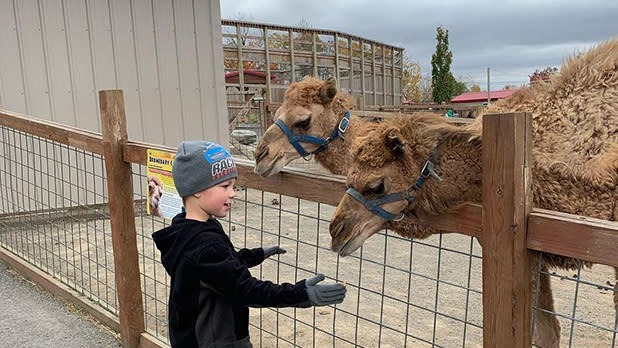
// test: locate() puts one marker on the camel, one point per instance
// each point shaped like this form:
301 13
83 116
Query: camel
575 164
314 108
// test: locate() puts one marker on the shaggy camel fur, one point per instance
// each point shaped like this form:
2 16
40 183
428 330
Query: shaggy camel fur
315 107
311 107
575 169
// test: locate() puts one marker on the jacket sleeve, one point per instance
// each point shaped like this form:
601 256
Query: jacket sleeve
252 257
226 274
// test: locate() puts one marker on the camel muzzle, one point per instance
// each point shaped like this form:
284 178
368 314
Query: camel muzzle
374 205
296 139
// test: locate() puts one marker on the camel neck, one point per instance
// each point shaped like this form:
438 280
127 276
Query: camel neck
459 166
336 157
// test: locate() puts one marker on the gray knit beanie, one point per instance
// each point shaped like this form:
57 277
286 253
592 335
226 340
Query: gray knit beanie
199 165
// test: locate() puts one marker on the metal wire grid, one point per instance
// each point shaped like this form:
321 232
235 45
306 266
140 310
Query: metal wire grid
155 281
400 293
381 308
584 305
53 213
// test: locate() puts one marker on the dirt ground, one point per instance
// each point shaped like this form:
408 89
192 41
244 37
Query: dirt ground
400 293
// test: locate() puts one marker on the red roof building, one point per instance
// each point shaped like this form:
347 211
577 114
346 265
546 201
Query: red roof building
475 97
472 97
250 77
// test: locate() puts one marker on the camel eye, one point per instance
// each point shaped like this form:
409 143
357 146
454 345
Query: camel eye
304 124
374 189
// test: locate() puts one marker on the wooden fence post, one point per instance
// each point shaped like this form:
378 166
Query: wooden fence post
124 241
507 201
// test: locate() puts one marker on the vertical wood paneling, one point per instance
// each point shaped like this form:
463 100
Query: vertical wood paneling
168 72
147 71
210 58
165 55
79 48
33 59
124 50
187 68
102 47
57 65
11 82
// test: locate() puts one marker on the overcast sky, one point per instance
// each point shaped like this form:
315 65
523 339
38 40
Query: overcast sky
512 38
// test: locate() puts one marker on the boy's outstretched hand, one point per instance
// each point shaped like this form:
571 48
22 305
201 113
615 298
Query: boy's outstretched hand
273 250
324 294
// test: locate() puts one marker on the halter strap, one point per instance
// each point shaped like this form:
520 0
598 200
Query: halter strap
374 205
296 139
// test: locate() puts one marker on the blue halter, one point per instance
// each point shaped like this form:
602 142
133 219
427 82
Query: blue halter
374 205
295 139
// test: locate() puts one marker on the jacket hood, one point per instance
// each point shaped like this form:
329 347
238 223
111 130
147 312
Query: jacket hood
173 239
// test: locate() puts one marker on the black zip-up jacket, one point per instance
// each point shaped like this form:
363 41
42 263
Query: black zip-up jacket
211 286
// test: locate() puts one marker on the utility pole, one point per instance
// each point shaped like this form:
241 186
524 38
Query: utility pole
488 93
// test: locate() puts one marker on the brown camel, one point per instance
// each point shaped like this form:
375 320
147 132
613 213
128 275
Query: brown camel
315 108
575 169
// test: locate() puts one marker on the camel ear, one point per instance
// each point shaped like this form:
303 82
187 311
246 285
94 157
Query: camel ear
394 141
328 90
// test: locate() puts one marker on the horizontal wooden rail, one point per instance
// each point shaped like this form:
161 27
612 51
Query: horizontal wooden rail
576 236
580 237
552 232
464 220
315 187
407 108
149 341
387 115
326 189
565 234
71 136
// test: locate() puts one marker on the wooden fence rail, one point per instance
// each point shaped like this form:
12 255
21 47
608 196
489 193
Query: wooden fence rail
507 226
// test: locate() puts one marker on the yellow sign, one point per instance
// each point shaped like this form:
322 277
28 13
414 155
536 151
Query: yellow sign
163 199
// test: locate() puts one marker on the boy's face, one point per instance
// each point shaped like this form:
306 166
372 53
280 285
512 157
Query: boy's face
217 200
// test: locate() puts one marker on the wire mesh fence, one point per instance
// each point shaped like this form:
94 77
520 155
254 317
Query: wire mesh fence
54 213
584 305
401 293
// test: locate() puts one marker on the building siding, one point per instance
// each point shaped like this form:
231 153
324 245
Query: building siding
165 55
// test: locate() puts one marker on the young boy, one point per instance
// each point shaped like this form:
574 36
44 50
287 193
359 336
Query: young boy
211 286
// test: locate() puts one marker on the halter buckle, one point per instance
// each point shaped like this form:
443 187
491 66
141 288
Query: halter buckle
429 169
343 124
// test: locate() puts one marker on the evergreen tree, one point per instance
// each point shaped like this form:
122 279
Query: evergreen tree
442 80
459 88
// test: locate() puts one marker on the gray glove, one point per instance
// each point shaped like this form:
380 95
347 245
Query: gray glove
273 250
322 295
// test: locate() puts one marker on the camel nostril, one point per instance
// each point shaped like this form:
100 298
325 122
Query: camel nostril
335 229
261 153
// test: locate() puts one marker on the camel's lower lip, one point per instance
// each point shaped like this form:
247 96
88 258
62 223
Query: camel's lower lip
343 252
263 173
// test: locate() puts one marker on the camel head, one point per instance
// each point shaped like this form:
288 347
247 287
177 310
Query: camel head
311 112
396 171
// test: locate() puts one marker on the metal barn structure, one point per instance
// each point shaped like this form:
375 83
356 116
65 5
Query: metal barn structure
265 59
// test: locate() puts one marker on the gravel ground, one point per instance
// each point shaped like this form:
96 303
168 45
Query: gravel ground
33 318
